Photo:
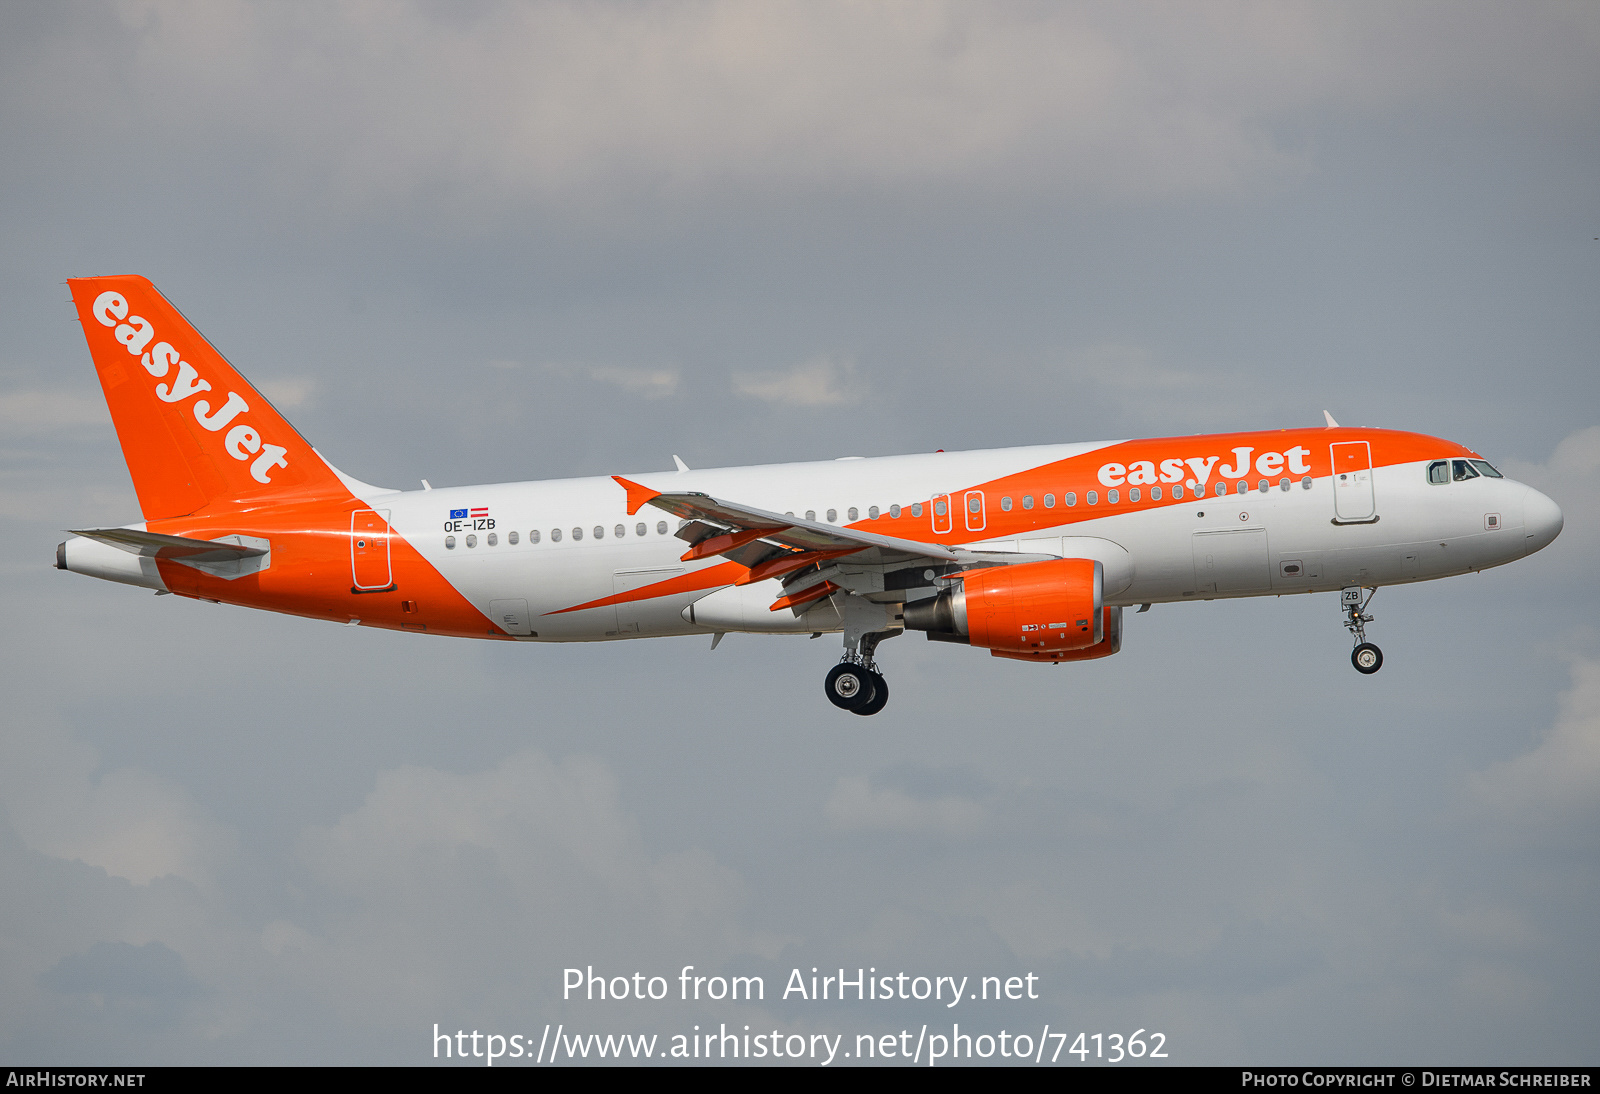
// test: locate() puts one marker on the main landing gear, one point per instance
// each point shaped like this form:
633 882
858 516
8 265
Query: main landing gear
855 684
1366 657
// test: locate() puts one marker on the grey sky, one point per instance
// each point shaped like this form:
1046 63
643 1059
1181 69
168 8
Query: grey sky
484 242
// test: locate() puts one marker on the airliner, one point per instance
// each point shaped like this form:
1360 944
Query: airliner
1031 553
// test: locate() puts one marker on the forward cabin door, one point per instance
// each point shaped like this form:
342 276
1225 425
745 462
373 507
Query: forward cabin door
369 551
1353 501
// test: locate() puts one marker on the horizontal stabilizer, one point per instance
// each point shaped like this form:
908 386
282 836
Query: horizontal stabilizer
176 548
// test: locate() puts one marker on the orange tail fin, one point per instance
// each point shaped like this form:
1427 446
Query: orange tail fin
194 432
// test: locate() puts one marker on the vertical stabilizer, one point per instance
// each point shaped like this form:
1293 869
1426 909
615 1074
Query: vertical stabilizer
194 432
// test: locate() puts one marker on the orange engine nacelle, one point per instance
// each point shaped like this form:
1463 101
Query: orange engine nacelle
1111 620
1046 611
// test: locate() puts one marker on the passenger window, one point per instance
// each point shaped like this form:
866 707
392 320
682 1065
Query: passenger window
1177 493
1112 497
577 534
916 509
1155 493
661 527
1464 470
1005 504
1483 465
894 511
472 541
620 530
494 539
1244 487
599 532
512 539
1027 501
1263 485
872 514
811 514
449 543
854 513
640 529
1133 494
833 515
1070 498
1222 488
533 536
1049 501
555 535
1283 484
1092 497
1305 483
1439 472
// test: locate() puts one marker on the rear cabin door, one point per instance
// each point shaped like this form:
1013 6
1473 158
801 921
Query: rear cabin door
1352 482
369 550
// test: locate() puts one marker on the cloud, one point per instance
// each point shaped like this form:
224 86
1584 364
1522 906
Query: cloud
131 823
372 102
534 857
643 383
821 381
1572 478
45 410
1561 775
289 391
856 805
647 383
122 970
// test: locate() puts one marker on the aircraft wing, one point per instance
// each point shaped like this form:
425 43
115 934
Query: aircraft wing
176 548
774 544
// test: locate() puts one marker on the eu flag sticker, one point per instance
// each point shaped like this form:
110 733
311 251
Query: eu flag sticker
458 514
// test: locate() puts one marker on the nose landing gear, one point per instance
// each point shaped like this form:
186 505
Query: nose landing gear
855 684
1366 657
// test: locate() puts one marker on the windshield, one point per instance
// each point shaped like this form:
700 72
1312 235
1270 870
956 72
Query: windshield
1463 470
1483 465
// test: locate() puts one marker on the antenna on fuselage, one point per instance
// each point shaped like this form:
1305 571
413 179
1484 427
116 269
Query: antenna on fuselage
1331 423
679 461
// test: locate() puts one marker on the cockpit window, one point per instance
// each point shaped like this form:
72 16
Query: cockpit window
1439 472
1483 465
1464 470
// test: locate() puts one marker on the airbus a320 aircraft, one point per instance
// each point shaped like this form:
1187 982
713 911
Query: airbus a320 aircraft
1030 553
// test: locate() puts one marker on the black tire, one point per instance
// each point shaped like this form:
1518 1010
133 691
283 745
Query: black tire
880 696
1367 658
849 686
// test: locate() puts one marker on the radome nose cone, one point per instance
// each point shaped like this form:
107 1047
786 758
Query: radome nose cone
1541 520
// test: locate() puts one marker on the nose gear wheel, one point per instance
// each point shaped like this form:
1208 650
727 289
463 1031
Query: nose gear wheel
1366 657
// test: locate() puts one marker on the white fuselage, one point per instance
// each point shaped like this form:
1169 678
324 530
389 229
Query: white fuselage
575 542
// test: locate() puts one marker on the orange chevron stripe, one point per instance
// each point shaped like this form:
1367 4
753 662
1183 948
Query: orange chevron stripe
709 578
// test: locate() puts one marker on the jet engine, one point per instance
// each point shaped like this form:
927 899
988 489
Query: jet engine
1034 611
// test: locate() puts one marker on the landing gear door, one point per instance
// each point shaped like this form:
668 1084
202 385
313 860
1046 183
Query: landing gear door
1353 500
369 550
